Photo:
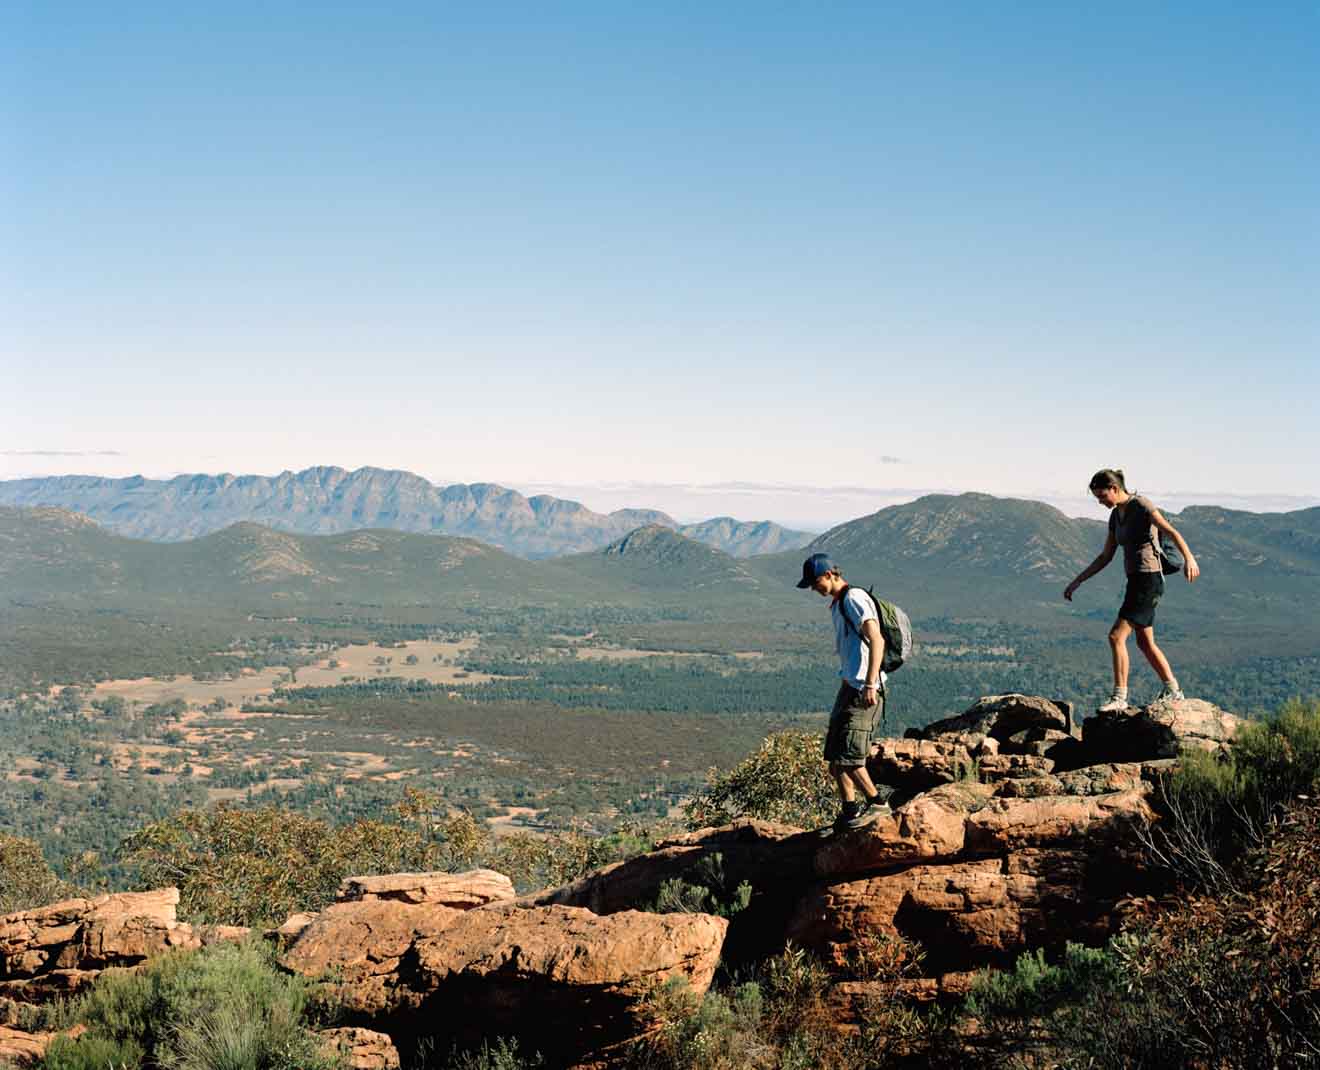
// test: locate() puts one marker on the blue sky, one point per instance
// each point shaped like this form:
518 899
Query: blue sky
554 245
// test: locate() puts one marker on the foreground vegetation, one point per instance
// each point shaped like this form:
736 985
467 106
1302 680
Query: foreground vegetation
1218 971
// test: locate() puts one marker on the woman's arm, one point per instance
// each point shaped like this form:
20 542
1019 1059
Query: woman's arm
1190 568
1098 565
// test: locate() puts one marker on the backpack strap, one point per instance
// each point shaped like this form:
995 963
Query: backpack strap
847 621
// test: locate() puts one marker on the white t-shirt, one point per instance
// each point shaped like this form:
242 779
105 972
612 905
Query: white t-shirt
854 652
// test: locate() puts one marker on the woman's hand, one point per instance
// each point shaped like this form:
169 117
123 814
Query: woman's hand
1069 590
1191 569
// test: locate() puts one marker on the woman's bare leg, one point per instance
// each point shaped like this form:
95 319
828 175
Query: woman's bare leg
1118 637
1154 655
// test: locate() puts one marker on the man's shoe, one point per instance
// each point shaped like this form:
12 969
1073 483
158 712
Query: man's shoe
849 813
1168 694
869 810
1114 705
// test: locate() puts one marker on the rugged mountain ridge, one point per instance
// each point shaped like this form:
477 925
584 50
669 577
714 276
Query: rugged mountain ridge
966 554
328 500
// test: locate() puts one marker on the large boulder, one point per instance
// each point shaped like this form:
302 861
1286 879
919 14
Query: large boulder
567 981
1160 730
361 938
964 914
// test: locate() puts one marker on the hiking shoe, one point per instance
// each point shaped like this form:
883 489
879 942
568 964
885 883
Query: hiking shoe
1168 694
868 810
1114 705
849 815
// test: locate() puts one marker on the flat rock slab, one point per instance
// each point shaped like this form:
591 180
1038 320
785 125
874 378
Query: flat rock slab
1005 825
461 891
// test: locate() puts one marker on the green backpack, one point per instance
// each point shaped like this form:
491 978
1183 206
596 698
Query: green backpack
895 629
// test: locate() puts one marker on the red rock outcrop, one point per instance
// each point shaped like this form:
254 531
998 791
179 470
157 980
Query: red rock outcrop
461 891
58 949
569 980
1011 834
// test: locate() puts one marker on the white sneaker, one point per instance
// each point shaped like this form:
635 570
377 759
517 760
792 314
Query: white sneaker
1167 695
1114 705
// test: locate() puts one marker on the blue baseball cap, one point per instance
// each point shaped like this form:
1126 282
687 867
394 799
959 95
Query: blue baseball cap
814 567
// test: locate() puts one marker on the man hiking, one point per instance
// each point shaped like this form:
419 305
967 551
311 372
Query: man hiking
861 697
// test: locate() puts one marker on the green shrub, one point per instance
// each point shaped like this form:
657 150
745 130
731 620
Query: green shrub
92 1053
1217 808
503 1054
26 879
711 892
1088 1010
250 867
220 1008
1280 758
775 1019
784 780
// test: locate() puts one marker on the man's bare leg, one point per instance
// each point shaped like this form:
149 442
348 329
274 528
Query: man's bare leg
862 778
843 779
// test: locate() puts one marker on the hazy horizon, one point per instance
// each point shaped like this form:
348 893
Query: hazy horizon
804 508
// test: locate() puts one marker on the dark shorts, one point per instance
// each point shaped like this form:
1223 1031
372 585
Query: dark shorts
848 741
1143 594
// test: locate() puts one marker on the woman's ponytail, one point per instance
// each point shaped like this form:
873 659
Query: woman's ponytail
1108 477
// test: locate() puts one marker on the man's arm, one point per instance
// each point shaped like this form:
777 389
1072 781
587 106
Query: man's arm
1098 565
876 642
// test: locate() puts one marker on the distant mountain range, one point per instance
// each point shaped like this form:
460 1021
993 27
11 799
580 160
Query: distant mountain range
968 555
328 500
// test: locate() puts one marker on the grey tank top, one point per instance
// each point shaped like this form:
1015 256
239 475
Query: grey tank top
1135 531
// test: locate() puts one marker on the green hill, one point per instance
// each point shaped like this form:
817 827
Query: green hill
663 563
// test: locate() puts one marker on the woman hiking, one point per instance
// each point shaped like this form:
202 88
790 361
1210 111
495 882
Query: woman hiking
1135 524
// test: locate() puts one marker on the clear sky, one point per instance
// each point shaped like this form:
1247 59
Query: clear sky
942 246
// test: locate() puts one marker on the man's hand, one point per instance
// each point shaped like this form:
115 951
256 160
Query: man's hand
1069 590
871 694
1191 569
